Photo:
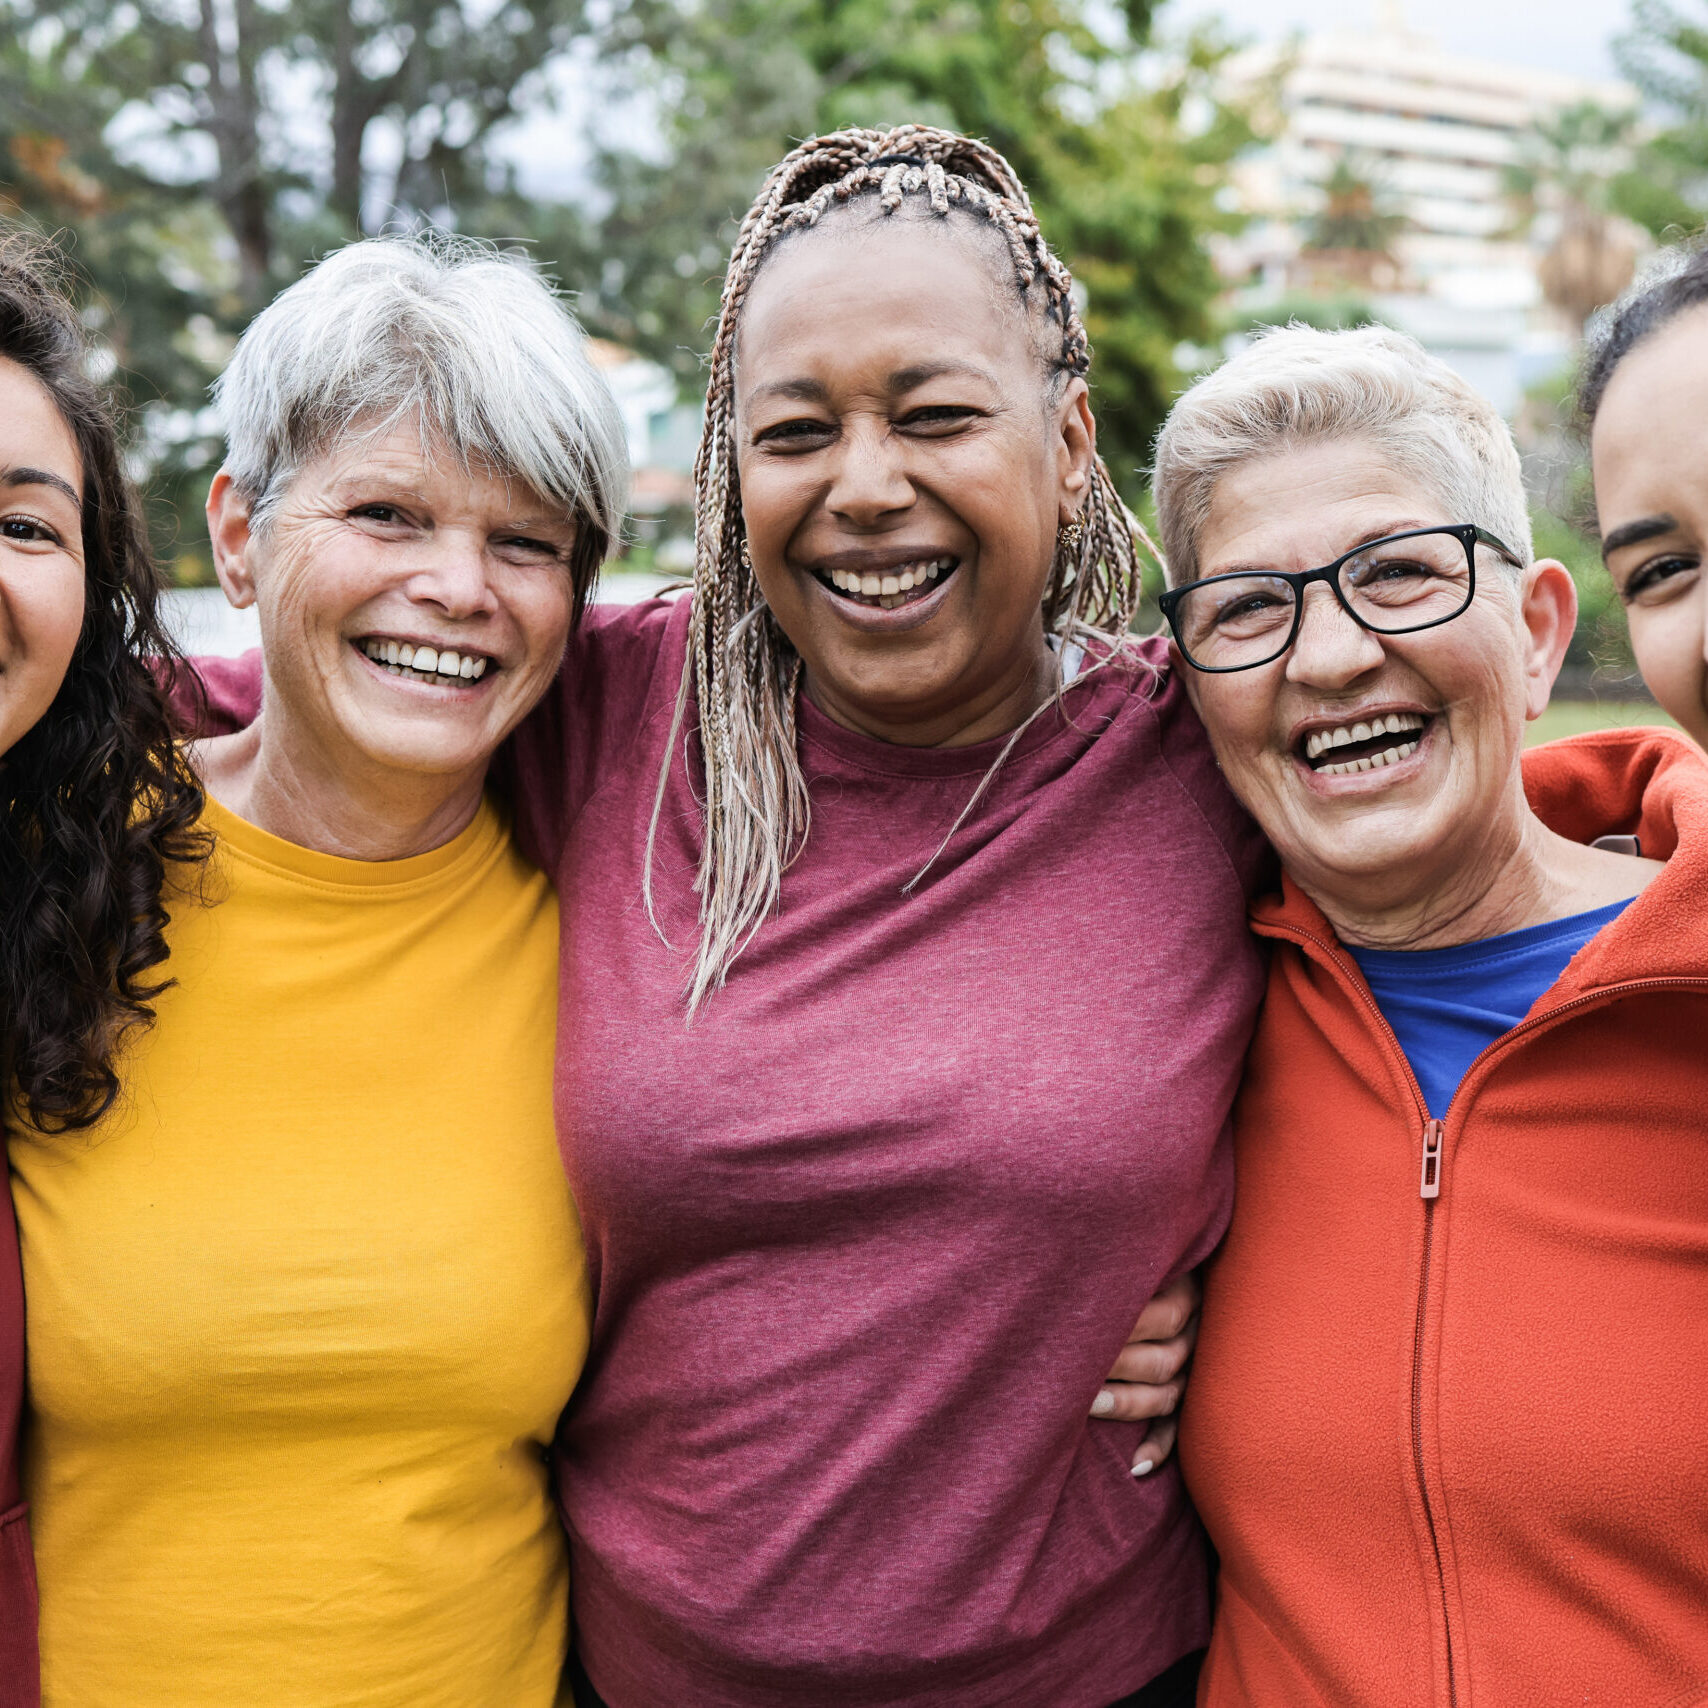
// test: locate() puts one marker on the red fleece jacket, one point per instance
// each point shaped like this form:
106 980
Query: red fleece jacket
1454 1450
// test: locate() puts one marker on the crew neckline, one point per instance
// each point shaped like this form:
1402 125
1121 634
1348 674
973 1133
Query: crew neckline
1082 702
237 835
1486 950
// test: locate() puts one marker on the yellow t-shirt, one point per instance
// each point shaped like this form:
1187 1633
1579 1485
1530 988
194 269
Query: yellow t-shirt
303 1311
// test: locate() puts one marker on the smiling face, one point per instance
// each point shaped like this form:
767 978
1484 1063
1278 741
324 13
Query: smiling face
905 462
412 610
41 550
1650 453
1383 768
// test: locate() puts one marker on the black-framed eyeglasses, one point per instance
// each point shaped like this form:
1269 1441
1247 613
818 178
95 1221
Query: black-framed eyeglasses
1392 586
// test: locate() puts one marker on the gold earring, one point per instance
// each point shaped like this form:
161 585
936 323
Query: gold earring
1071 534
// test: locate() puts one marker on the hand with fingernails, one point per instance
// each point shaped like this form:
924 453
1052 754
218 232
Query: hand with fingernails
1148 1376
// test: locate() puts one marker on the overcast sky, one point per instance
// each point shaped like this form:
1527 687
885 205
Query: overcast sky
1554 35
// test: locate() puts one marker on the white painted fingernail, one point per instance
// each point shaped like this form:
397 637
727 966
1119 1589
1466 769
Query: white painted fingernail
1143 1467
1103 1404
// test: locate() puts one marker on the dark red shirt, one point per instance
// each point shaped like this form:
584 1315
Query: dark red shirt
867 1233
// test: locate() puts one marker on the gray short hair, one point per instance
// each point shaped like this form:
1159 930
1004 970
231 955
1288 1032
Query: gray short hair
1295 386
469 343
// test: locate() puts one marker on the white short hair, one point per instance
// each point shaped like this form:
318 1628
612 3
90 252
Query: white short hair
1295 386
445 333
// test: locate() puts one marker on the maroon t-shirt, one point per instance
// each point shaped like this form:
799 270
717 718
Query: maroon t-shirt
868 1232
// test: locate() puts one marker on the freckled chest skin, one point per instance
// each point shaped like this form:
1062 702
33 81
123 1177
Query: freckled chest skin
41 553
839 445
1462 805
1649 451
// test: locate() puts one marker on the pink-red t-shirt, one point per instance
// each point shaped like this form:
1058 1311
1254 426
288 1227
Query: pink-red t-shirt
867 1233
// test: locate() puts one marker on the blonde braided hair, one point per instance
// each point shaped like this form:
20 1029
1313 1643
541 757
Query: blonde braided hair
741 668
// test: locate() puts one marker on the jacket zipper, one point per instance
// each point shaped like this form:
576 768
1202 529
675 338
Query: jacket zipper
1434 1165
1433 1133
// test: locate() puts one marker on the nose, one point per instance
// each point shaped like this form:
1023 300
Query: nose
1331 650
870 483
452 574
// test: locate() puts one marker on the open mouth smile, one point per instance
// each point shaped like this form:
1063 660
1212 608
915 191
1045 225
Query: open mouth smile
445 667
887 589
1340 750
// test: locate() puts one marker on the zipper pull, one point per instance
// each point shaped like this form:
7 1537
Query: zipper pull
1433 1132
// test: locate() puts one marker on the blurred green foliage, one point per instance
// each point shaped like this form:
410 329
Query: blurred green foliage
1665 54
1124 155
196 157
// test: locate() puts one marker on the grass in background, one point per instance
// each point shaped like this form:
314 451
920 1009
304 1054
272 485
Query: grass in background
1574 717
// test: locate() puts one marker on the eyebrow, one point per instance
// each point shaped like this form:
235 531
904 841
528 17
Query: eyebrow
903 380
1634 533
1368 539
40 477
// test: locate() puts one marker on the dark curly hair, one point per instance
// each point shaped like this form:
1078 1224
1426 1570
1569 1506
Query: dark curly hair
97 797
1677 283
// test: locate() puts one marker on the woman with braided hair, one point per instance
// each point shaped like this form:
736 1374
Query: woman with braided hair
903 993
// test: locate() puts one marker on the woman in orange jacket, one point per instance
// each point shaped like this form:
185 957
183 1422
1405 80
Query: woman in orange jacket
1470 1240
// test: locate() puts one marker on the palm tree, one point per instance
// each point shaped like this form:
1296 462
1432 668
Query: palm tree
1352 235
1562 185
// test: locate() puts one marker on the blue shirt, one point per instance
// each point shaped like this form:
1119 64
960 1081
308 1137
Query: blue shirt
1447 1006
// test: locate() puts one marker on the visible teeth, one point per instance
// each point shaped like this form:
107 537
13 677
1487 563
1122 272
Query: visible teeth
1394 723
426 663
889 584
905 581
871 584
1374 762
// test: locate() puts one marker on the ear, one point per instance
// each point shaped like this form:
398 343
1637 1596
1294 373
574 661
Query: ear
1076 446
1549 612
228 530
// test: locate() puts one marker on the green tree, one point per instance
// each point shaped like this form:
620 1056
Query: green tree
1568 179
197 154
1665 53
1356 227
1124 155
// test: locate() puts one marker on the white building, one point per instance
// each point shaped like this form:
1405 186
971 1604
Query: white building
1433 132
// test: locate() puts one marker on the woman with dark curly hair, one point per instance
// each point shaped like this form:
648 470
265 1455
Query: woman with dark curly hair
96 798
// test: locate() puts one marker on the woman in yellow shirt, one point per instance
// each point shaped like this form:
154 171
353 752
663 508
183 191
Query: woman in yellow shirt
305 1307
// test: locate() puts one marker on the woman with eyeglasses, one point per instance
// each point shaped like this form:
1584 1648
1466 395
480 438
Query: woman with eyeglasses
1470 1240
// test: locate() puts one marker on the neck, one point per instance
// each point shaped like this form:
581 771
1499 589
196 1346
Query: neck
1517 873
288 786
994 712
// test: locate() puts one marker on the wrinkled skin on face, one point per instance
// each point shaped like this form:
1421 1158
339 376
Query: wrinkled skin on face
894 418
1649 448
41 550
1436 844
388 544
